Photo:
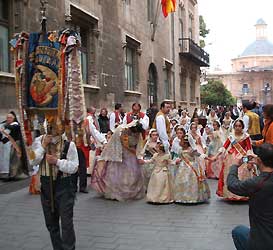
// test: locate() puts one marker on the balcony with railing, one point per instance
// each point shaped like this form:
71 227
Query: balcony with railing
191 50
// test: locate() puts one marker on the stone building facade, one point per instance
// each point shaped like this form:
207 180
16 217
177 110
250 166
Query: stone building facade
252 72
130 52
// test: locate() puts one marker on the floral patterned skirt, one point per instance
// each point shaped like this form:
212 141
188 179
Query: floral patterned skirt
187 187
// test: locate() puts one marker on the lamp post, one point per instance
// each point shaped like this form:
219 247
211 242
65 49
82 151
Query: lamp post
267 90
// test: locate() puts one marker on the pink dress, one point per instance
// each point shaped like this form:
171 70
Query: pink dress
124 178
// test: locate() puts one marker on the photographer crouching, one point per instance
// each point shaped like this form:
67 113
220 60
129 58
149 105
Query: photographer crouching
259 189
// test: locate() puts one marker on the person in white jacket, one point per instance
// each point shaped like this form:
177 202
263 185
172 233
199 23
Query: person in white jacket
93 131
162 125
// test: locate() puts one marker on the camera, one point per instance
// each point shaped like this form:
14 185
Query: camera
135 117
245 159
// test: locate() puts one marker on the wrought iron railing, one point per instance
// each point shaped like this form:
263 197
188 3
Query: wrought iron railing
189 48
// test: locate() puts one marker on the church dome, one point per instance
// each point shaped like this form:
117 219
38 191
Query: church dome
261 46
261 22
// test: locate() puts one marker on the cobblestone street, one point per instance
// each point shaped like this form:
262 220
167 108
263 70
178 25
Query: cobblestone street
103 224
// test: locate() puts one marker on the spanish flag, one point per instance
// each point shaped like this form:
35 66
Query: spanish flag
168 6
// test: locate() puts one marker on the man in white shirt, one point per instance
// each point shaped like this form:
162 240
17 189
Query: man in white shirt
93 130
57 161
91 113
142 125
162 124
115 117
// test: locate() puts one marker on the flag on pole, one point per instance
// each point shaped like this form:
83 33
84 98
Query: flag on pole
168 6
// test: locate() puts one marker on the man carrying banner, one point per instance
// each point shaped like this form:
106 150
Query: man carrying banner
50 91
51 151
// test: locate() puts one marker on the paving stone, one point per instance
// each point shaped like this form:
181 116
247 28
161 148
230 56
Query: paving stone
102 224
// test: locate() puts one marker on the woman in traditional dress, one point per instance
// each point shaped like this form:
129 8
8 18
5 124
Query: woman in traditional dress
207 135
174 125
148 152
213 168
99 171
227 124
185 124
200 129
212 117
190 185
180 133
237 145
13 159
185 116
197 143
175 149
195 139
124 178
98 176
160 187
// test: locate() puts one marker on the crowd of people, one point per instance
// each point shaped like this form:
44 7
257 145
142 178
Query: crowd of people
165 154
130 155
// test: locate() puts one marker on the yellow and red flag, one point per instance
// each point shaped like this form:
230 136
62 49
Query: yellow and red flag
168 6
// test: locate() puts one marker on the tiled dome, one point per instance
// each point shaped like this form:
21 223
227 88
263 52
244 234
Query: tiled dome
259 47
261 22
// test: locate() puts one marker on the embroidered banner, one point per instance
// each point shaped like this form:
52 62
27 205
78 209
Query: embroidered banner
42 72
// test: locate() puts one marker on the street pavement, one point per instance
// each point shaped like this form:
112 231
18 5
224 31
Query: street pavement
103 224
12 186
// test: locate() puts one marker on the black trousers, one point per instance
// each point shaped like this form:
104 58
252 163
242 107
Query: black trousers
81 173
62 234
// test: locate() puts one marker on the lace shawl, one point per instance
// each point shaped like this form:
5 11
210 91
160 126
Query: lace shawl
113 149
